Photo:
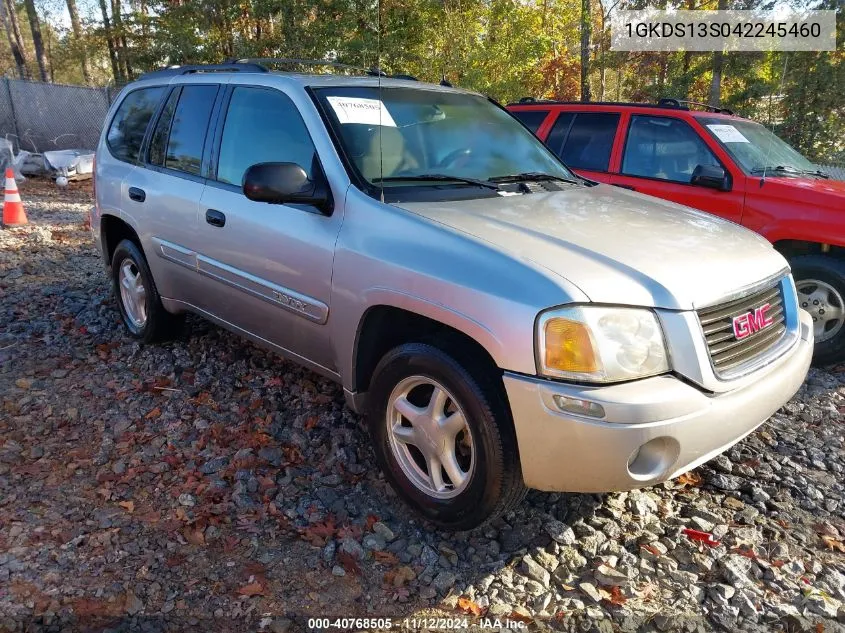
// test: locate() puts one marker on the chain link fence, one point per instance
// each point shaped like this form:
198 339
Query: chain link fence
40 117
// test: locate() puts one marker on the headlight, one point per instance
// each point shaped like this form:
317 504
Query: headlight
600 344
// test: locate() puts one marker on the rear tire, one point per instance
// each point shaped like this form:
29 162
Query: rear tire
138 300
477 476
820 280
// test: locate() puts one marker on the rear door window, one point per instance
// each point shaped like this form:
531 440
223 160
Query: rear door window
158 142
532 119
189 128
590 141
129 125
664 148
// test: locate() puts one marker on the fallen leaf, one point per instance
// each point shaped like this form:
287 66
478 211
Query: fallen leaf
650 549
468 606
386 558
690 478
311 422
348 562
319 534
194 536
252 589
833 543
154 413
616 596
819 627
371 521
129 506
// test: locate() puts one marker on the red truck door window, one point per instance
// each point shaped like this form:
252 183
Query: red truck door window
584 141
659 157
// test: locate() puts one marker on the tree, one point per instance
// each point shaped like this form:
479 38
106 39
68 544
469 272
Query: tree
718 62
585 50
15 41
117 73
37 40
76 26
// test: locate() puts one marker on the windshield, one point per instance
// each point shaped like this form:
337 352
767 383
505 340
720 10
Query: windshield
417 137
754 147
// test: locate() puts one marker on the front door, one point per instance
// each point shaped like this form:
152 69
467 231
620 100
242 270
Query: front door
267 267
658 159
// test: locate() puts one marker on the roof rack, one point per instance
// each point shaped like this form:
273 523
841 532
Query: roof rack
257 65
173 71
675 103
667 104
372 72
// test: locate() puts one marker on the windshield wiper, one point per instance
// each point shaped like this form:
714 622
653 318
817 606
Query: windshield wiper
440 178
789 169
532 175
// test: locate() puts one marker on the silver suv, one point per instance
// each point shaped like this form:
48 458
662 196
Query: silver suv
501 323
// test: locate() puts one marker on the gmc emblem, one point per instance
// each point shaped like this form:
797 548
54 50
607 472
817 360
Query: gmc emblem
753 321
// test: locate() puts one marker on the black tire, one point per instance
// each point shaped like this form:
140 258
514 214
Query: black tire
831 271
495 485
160 325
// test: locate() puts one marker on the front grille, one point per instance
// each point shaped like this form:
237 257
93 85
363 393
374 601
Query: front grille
726 352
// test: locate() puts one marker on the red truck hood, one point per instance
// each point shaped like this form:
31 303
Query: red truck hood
819 189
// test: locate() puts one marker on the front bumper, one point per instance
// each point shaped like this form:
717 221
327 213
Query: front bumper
653 430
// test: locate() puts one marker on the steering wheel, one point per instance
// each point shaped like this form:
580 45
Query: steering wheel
453 157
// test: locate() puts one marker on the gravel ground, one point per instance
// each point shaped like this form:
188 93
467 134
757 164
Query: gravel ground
207 484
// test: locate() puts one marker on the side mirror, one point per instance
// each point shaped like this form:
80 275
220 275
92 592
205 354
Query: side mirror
286 183
712 176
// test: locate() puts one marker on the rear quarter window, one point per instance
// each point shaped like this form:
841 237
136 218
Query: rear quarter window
129 125
532 119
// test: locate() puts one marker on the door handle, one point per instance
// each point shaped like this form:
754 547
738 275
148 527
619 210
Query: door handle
628 187
136 194
215 218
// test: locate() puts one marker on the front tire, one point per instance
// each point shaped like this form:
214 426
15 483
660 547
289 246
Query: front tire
820 281
138 300
443 436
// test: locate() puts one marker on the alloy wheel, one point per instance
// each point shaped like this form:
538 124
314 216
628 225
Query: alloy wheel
429 437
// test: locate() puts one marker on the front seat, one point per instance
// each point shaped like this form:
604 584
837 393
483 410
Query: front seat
386 155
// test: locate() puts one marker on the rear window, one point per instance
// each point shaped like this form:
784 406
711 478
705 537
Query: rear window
532 119
129 125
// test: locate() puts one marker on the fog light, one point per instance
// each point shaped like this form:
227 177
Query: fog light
578 406
654 458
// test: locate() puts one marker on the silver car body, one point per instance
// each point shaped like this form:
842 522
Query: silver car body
302 283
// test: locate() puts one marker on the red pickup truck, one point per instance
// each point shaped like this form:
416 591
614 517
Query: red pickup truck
721 163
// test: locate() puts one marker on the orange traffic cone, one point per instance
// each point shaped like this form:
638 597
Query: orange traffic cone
13 213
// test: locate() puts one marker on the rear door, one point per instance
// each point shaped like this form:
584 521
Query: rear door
584 141
658 158
266 268
168 184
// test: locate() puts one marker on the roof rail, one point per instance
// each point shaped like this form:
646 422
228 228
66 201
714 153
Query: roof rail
174 71
677 103
372 72
664 103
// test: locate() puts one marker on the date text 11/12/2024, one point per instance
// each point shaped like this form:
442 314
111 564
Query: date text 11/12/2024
415 623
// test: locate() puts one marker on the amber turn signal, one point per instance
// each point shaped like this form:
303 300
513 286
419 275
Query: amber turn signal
569 347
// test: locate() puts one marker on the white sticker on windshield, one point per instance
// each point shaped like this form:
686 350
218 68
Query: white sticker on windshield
728 134
358 110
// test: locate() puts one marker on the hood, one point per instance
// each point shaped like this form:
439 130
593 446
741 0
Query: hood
824 190
617 246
